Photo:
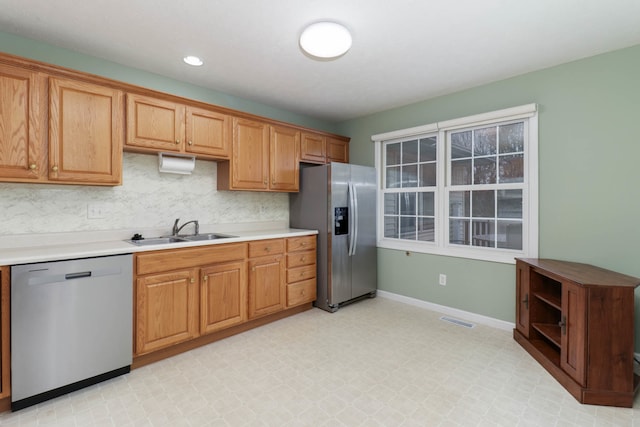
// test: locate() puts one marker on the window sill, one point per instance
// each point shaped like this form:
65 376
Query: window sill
484 254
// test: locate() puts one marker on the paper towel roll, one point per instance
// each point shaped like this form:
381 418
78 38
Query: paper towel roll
176 164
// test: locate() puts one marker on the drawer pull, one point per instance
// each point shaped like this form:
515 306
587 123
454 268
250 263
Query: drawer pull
303 259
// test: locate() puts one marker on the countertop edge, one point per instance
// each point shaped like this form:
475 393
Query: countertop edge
33 254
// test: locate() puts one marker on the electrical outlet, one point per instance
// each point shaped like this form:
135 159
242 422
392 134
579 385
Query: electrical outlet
96 211
443 280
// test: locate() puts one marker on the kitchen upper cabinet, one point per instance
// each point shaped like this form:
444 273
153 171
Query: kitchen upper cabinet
166 309
267 292
337 150
223 296
284 158
317 148
263 158
155 125
22 125
313 148
85 133
5 341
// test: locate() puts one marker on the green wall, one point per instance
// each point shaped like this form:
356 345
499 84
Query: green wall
589 196
54 55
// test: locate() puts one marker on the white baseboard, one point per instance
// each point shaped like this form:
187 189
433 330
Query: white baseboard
466 315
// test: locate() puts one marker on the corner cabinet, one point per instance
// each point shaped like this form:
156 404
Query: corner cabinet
577 321
86 131
264 157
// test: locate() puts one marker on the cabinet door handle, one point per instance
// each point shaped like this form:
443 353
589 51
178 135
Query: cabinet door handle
55 168
177 141
32 166
192 280
190 142
525 301
205 278
563 325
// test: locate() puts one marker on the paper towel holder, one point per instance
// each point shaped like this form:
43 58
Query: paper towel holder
176 163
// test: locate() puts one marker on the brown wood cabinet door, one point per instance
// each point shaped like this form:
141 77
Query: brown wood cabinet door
266 285
337 150
223 296
284 158
85 132
5 362
250 155
313 148
522 298
21 124
166 310
155 123
208 133
573 331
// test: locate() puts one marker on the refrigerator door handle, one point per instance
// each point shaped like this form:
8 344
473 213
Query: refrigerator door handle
355 219
351 220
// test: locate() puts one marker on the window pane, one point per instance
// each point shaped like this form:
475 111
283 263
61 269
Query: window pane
426 205
408 227
393 154
428 149
484 170
426 229
410 152
483 203
459 231
407 203
393 177
484 233
427 175
510 204
461 172
484 142
459 203
461 144
410 176
391 204
510 235
512 138
391 227
512 168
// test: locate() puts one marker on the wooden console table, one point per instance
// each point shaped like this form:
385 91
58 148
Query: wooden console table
577 321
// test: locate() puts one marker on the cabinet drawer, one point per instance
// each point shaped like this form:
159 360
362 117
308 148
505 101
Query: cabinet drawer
301 243
301 273
173 259
298 259
301 292
266 247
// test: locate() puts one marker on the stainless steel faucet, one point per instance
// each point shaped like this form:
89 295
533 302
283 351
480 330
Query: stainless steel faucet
177 229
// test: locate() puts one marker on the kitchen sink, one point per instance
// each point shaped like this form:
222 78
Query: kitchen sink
156 241
205 236
177 239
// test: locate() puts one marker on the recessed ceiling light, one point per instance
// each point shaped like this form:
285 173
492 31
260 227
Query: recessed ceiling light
325 40
193 60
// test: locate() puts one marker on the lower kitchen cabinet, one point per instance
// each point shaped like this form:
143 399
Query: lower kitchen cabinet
301 270
267 293
223 296
5 363
166 309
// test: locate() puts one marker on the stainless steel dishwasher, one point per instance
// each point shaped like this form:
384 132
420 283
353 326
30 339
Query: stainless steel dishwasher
71 325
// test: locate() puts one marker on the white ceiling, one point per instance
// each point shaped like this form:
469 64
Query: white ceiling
403 51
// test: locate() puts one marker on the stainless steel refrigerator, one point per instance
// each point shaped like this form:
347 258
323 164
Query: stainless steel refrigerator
339 200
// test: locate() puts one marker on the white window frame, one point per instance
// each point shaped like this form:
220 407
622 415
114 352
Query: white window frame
440 246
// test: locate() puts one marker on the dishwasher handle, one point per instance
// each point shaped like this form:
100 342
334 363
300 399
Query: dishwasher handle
79 275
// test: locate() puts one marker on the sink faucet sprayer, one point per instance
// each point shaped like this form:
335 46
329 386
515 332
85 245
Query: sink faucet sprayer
177 229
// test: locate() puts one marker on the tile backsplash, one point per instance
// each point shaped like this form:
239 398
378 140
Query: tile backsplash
147 198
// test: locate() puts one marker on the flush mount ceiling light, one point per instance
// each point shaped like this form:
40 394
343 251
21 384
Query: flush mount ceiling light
193 60
325 40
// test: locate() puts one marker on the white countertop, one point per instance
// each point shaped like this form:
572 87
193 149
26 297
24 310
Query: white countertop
30 248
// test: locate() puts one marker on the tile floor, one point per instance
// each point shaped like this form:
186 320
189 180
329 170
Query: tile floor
374 363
